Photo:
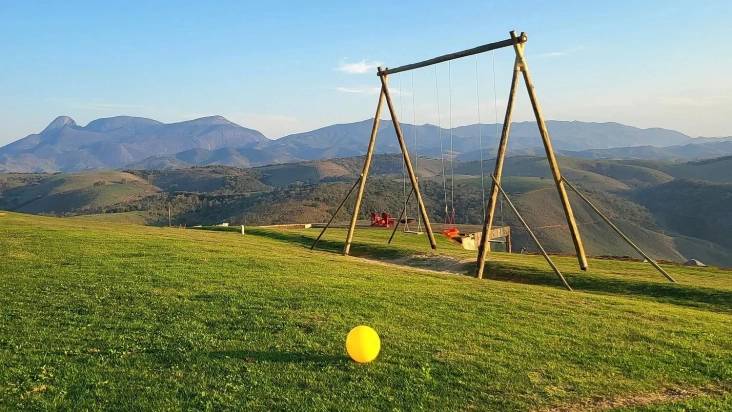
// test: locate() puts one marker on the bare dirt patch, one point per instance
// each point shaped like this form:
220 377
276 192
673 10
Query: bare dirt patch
664 396
439 263
427 263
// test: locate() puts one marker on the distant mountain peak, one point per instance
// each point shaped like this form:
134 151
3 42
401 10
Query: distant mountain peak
59 123
111 123
213 120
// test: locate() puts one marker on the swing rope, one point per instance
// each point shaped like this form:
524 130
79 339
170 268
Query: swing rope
495 111
404 164
451 155
442 148
480 135
416 148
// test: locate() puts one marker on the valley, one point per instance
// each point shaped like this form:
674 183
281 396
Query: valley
675 211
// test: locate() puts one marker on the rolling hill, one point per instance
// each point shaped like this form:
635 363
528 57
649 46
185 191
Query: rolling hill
717 170
643 197
692 208
704 149
75 193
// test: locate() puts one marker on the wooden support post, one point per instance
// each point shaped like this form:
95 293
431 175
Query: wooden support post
509 245
365 171
619 232
402 215
332 217
408 162
534 238
574 231
483 247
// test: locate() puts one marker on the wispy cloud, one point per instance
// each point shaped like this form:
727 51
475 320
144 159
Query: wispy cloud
361 67
358 90
559 53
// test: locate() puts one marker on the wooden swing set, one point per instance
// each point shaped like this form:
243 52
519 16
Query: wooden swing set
520 68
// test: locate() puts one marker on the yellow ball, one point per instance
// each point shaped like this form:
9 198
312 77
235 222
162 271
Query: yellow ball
363 344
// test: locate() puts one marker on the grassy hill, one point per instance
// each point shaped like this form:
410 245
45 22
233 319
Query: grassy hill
214 179
692 208
104 315
74 192
717 170
310 191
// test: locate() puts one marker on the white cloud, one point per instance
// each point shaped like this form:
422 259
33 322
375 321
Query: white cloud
559 53
364 66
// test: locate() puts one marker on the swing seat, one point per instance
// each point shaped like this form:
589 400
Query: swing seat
382 220
451 232
465 240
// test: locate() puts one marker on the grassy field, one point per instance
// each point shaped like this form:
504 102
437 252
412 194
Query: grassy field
133 218
103 315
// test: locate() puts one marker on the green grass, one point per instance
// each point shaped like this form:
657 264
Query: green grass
130 218
98 315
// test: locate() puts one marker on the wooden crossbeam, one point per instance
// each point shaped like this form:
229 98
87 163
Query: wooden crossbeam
457 55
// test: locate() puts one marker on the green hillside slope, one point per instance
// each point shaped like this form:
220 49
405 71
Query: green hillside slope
717 170
310 191
693 208
214 179
75 193
101 315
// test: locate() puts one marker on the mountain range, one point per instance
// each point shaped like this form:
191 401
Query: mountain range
126 142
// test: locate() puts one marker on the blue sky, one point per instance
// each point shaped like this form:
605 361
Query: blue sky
293 66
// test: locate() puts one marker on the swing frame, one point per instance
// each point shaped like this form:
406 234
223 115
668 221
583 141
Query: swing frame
517 42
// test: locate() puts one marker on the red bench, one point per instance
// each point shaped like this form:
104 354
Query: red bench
382 219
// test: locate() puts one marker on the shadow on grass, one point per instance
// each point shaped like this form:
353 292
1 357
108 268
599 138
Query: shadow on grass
280 357
357 248
660 291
